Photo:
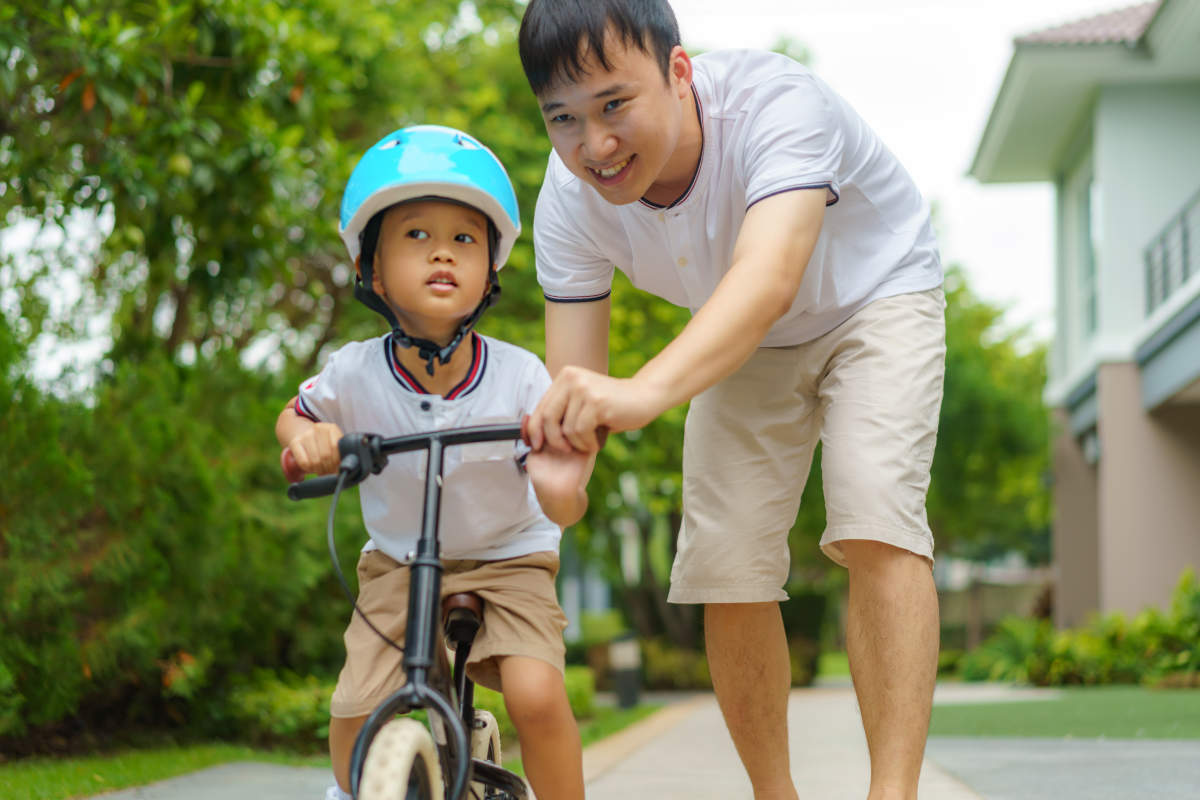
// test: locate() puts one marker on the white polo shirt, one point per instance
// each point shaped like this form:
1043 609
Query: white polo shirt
770 126
489 509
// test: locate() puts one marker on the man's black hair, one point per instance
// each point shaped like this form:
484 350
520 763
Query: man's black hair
557 36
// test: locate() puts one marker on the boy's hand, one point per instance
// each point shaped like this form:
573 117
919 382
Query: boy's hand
560 479
315 450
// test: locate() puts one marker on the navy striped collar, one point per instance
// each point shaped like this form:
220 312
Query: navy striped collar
467 385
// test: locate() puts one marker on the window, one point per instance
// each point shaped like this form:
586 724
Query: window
1089 249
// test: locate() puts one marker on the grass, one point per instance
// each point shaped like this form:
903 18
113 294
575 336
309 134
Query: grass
605 722
1112 712
63 778
60 778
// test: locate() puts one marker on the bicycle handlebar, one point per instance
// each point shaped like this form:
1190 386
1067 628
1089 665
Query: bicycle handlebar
365 453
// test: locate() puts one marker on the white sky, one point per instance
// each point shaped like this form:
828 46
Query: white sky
924 75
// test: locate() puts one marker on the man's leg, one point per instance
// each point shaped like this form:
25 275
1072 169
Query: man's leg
751 673
892 641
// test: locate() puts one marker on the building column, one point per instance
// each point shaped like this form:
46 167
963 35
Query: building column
1076 542
1149 493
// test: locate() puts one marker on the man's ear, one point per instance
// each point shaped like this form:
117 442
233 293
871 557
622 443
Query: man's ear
679 69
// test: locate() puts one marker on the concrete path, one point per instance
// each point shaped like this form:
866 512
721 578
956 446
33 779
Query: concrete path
684 751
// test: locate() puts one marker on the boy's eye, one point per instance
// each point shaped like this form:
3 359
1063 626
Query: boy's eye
417 233
560 118
465 238
613 105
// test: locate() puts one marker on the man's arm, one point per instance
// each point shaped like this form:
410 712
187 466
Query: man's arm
577 335
769 260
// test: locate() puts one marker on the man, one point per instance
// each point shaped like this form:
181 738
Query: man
741 186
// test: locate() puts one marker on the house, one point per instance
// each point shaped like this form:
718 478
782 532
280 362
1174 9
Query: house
1107 109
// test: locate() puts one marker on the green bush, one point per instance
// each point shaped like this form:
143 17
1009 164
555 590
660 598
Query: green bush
285 709
666 666
150 555
1153 647
270 709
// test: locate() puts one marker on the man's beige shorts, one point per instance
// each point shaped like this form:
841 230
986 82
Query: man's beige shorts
871 391
521 617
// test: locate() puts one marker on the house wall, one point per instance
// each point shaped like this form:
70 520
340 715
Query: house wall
1148 503
1147 162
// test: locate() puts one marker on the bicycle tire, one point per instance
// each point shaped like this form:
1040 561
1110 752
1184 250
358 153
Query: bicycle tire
485 746
401 764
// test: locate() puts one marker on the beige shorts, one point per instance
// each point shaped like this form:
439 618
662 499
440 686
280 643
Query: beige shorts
871 390
521 617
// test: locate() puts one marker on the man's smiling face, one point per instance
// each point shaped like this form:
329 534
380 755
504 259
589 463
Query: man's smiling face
618 129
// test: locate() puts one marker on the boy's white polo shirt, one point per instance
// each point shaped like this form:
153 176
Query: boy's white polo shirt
770 126
489 510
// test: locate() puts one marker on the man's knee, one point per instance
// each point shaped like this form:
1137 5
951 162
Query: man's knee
868 554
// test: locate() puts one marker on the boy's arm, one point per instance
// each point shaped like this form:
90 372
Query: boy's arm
560 482
313 444
769 260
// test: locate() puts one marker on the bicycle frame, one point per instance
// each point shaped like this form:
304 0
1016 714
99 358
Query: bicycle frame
426 685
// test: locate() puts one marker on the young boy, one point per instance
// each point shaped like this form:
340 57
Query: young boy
429 216
741 186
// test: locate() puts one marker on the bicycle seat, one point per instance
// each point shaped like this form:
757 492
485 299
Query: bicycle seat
461 616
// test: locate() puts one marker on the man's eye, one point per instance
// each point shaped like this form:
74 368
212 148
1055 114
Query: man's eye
466 238
417 233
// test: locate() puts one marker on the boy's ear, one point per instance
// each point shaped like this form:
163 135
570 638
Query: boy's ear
358 265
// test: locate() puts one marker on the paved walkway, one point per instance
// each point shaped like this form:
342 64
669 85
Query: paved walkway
684 751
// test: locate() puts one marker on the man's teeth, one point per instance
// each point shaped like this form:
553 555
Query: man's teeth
608 172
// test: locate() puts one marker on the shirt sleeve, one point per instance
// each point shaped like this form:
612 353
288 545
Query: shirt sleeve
570 268
794 140
318 396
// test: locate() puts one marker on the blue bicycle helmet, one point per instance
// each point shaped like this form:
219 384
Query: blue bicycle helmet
427 162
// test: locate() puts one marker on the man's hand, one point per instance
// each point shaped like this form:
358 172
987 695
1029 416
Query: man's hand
581 406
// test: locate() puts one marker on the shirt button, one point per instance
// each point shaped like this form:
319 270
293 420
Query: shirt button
426 405
682 261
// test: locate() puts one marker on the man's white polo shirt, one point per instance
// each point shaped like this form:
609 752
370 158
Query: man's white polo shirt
489 509
770 126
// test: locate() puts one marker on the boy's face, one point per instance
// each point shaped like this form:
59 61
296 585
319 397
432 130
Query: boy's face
431 264
618 130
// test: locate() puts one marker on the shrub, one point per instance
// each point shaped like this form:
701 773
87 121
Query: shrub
666 666
1153 647
285 709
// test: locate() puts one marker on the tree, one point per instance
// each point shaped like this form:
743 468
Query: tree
210 139
989 493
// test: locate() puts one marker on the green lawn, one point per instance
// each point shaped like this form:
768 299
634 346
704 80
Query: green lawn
1114 712
605 722
60 778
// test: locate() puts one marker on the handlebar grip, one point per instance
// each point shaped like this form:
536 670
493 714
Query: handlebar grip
313 487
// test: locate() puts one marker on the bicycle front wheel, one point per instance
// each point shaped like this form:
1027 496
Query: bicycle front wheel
401 764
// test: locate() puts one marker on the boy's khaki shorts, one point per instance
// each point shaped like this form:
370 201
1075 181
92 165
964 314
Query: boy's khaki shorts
521 617
871 389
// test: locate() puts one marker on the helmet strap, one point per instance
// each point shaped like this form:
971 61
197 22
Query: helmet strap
428 349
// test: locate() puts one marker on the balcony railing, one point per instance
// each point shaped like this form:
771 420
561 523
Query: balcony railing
1173 256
